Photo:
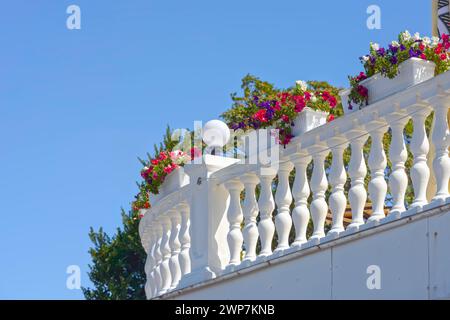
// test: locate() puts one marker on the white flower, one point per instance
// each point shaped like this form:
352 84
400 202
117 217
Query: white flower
416 36
145 168
395 44
302 84
406 35
366 58
375 46
435 41
313 98
426 40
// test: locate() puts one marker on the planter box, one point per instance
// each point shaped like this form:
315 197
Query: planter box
411 72
307 120
172 183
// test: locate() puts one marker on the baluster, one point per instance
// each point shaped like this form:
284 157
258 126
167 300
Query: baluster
337 200
251 210
319 184
441 163
235 217
420 173
357 170
185 240
398 181
300 191
377 184
266 205
149 264
165 251
158 258
175 246
283 198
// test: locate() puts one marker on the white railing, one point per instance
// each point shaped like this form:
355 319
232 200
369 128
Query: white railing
201 230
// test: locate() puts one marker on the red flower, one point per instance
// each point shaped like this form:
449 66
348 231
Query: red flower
332 100
300 103
146 205
438 49
445 38
307 96
285 118
286 139
277 106
261 115
154 162
162 156
447 45
331 118
363 91
443 56
326 95
423 56
421 47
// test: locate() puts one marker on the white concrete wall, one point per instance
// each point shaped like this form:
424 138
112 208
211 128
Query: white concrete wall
413 255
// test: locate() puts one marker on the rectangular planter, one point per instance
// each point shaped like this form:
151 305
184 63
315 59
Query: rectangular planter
307 120
174 181
411 72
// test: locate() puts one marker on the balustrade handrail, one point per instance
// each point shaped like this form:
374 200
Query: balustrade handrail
195 233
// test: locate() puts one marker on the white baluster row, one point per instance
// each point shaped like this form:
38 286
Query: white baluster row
244 230
168 258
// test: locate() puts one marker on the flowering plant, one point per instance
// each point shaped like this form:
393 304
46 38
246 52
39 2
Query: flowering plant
386 61
278 108
160 167
141 201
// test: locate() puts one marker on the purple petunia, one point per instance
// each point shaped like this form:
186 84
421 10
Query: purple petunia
394 60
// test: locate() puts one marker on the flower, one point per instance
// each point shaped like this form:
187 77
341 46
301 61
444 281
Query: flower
375 46
261 115
395 44
406 36
285 118
417 36
423 56
331 118
154 162
365 58
426 41
445 37
302 84
443 56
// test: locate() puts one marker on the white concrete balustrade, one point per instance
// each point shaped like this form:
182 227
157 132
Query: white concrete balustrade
212 226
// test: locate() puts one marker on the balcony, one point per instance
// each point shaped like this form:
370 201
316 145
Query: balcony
232 233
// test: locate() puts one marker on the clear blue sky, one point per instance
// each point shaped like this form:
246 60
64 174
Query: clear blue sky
78 106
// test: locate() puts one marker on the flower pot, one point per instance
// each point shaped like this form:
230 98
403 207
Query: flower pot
307 120
344 94
174 181
411 72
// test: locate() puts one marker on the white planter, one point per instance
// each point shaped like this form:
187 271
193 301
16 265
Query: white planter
411 72
174 181
344 99
307 120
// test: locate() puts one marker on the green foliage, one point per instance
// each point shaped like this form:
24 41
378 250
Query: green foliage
117 269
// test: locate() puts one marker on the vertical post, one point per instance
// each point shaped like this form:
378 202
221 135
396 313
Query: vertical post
398 181
235 216
283 199
377 165
266 205
337 200
209 252
319 185
251 210
440 138
301 192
